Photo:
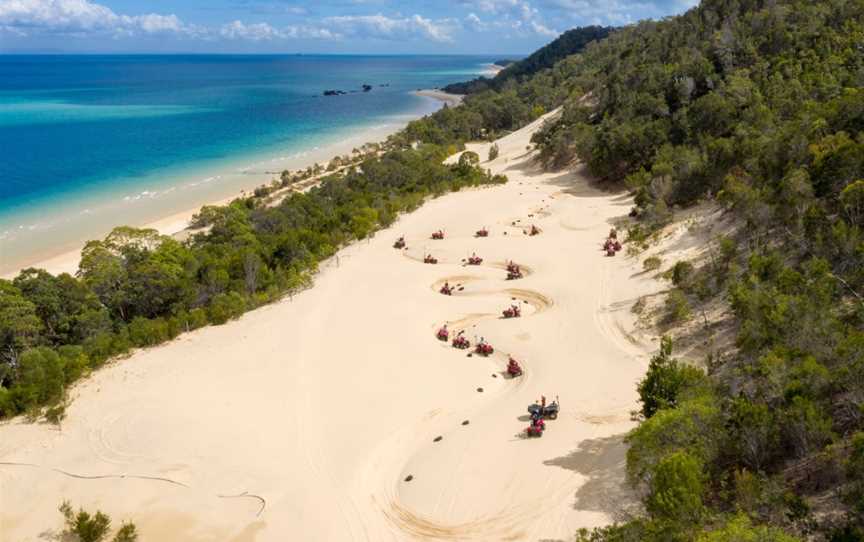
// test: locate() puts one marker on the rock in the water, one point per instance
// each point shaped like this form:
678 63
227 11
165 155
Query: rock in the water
367 88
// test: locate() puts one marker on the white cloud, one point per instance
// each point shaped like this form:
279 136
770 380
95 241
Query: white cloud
383 27
517 15
83 17
254 32
475 23
238 30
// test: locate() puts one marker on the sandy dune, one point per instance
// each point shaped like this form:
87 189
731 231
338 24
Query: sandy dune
302 420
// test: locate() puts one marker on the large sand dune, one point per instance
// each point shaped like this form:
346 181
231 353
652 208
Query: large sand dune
302 420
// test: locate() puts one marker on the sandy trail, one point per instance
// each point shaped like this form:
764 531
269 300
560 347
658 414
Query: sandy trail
302 420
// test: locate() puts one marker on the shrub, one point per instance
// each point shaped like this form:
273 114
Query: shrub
666 380
493 152
677 307
676 489
652 263
81 526
225 307
682 274
741 529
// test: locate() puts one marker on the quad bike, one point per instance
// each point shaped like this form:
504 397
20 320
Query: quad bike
438 235
513 368
430 259
475 260
549 411
461 342
515 274
400 243
534 231
611 246
443 334
536 428
513 312
447 289
484 349
512 266
482 233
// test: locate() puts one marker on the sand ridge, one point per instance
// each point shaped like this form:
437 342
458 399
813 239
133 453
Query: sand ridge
323 405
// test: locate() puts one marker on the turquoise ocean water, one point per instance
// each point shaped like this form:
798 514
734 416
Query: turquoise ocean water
89 142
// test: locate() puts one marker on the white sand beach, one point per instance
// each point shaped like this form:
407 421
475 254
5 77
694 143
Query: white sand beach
303 419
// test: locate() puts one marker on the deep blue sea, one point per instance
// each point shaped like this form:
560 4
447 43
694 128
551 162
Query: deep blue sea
89 142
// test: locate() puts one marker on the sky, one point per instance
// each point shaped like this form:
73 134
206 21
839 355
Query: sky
322 26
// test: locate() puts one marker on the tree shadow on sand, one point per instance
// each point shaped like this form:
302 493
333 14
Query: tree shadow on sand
603 461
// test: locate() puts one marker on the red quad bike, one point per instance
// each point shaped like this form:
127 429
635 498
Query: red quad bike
461 342
513 368
536 428
438 235
482 233
609 247
446 289
513 312
430 259
400 243
475 260
484 349
513 271
443 334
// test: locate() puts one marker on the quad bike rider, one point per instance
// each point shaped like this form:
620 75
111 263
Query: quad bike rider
513 312
400 243
475 259
536 428
513 368
534 231
460 341
447 289
430 259
443 333
483 348
483 232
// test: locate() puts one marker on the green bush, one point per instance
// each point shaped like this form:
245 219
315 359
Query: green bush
676 307
741 529
652 263
493 151
81 526
226 307
666 380
676 490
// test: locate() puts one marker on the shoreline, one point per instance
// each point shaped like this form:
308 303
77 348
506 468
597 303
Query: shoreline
66 259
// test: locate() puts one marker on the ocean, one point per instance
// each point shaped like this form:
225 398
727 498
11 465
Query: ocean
91 142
